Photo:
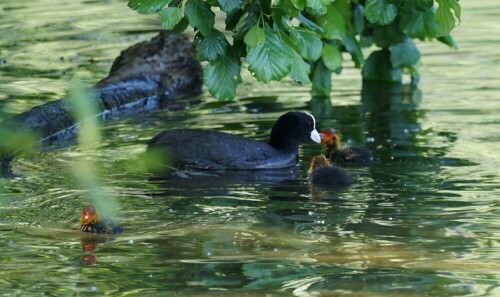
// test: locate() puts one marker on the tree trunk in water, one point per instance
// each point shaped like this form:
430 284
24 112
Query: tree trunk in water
144 76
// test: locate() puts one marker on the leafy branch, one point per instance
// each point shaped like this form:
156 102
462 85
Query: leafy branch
305 39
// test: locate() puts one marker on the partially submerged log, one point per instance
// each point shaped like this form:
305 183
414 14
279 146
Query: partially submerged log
142 77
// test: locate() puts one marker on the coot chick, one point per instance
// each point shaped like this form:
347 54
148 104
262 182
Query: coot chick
321 172
349 155
91 222
212 150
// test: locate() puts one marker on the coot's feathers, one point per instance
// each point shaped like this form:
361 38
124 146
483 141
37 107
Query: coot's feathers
203 149
349 155
352 156
321 172
212 150
330 176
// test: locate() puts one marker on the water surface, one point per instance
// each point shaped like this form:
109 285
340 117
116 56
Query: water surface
421 221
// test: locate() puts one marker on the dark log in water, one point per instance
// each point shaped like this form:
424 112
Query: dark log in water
142 77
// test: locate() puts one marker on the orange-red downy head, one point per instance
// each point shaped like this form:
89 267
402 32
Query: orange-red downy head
330 138
89 215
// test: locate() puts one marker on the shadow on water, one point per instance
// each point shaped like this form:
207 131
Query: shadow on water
227 178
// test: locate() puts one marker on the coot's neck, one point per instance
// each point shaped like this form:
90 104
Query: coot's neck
284 144
290 130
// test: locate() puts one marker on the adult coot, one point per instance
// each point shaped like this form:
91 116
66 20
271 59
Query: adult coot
321 172
356 156
92 222
212 150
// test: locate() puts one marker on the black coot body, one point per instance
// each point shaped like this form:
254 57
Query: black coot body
212 150
321 172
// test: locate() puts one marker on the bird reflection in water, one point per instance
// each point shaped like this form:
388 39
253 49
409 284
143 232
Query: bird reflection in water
95 228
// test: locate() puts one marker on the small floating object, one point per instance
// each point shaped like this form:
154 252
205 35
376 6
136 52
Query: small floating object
321 172
348 155
93 223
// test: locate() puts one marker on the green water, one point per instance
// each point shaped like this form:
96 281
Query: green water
423 220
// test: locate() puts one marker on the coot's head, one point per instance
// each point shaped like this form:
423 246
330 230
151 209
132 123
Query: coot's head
330 139
88 217
317 162
291 129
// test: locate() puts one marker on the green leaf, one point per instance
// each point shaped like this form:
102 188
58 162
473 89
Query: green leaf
308 42
423 5
290 46
211 47
414 73
222 76
246 22
358 18
380 12
147 6
255 36
299 69
169 17
230 5
232 19
333 23
181 26
280 20
316 7
309 24
378 68
411 6
200 16
352 46
266 60
404 54
289 8
384 36
299 4
447 16
321 80
413 25
431 29
448 40
365 41
175 3
332 57
419 25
